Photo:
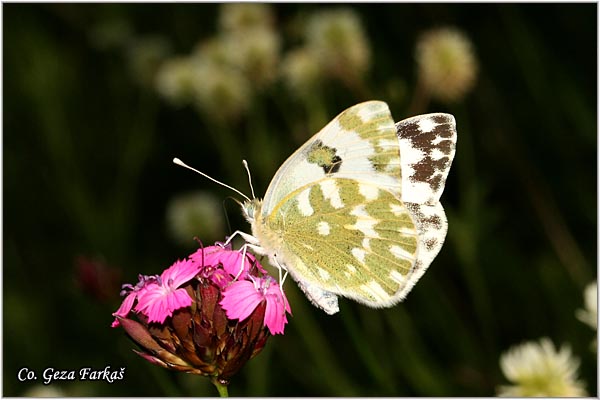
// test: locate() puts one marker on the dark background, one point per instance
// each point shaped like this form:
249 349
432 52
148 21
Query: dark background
87 173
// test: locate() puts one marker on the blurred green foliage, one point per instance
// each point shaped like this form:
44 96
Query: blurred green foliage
88 144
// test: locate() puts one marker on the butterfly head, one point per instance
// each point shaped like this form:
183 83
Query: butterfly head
250 209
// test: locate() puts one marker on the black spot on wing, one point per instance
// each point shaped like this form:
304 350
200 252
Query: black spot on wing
335 166
440 138
324 156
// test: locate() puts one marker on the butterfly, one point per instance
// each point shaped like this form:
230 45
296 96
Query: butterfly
355 211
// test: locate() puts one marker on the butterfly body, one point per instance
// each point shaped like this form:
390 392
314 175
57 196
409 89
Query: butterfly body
336 215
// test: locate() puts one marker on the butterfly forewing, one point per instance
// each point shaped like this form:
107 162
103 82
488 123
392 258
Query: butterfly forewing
360 143
347 237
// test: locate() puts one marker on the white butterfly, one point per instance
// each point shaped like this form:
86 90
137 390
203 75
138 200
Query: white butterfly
355 211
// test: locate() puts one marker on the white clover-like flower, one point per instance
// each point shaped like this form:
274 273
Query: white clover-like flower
447 63
589 315
220 91
212 50
338 41
255 52
195 214
301 71
40 390
537 369
145 56
174 80
236 17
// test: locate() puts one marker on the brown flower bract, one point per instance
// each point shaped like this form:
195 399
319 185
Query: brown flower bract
200 339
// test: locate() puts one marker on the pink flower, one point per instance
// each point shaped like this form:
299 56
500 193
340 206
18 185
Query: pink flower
228 298
230 260
242 297
243 283
134 293
159 299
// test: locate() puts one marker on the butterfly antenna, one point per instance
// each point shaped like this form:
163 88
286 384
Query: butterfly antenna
249 177
181 163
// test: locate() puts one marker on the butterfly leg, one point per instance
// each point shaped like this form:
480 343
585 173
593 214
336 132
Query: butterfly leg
279 268
246 236
244 250
250 242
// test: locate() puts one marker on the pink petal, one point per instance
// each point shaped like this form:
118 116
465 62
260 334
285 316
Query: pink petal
180 272
158 302
206 255
232 263
240 299
277 305
230 259
124 309
221 278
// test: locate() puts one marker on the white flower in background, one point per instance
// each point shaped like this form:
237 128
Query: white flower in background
174 80
255 52
301 71
212 50
537 369
196 214
145 56
589 315
447 63
220 91
235 17
338 42
45 391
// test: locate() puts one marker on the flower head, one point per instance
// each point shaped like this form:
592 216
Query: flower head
236 17
539 370
219 90
589 314
145 55
255 52
301 71
447 64
337 40
174 80
207 315
195 214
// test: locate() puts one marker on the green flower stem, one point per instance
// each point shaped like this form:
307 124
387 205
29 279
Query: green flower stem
375 366
221 388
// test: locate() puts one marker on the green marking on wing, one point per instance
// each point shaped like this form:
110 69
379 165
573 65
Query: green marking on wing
373 122
347 248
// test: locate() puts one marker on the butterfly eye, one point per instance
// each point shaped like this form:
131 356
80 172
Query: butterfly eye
248 208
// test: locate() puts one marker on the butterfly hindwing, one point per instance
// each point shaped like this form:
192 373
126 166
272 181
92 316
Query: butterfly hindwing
348 238
427 147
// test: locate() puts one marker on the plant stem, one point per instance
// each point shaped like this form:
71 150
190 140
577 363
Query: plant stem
221 387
